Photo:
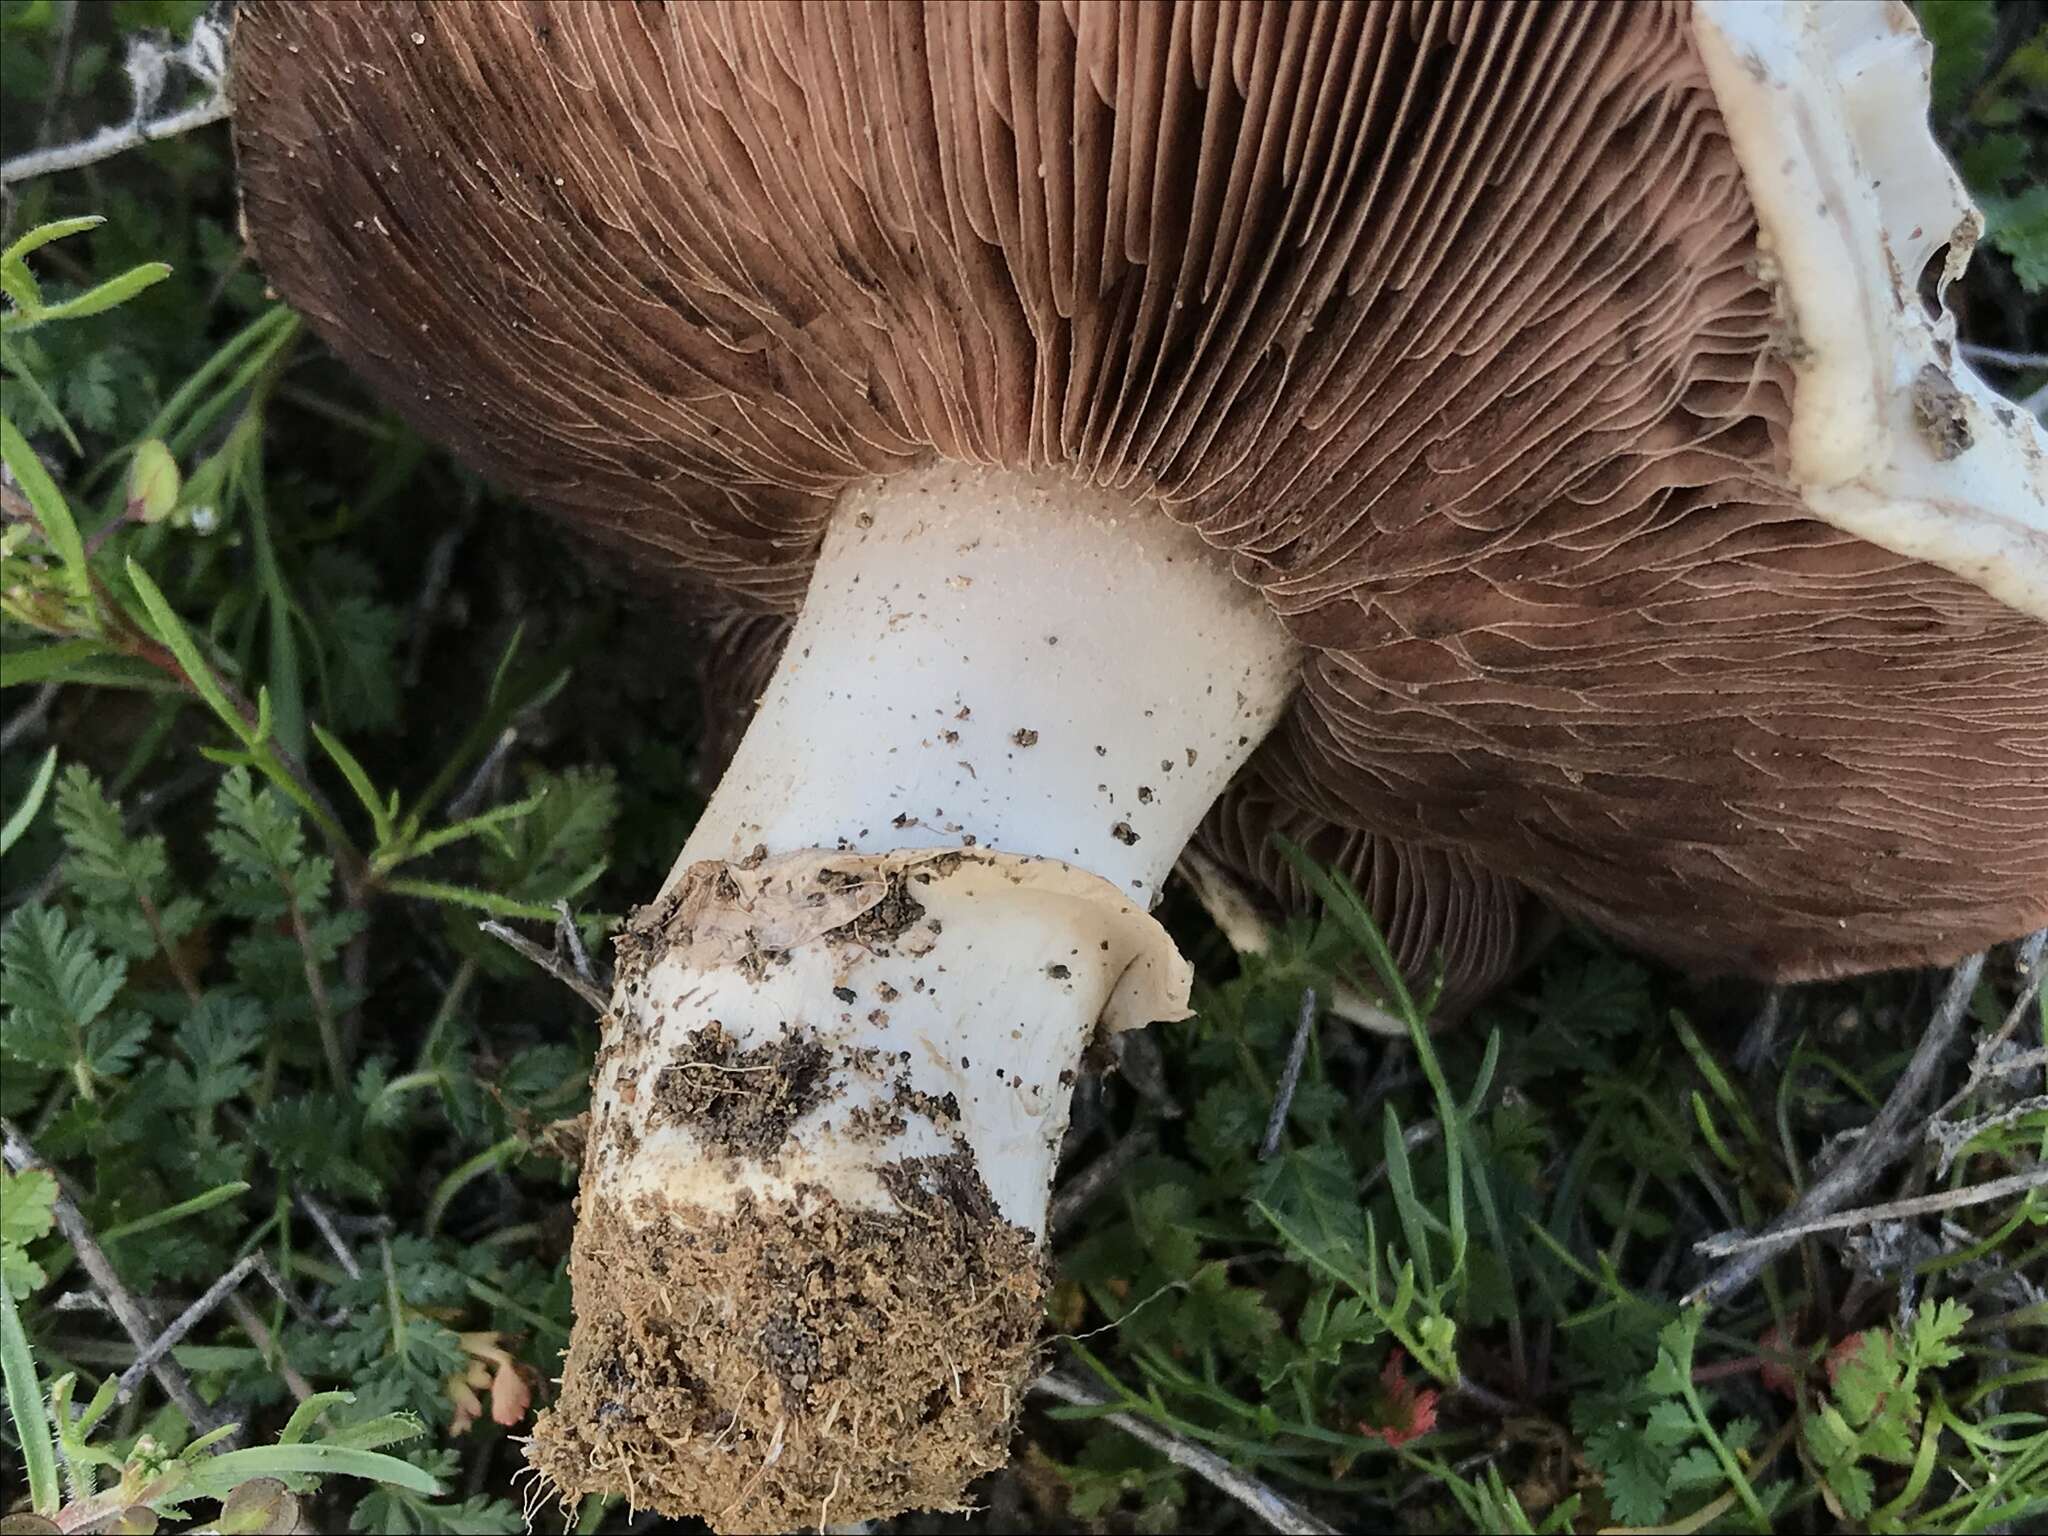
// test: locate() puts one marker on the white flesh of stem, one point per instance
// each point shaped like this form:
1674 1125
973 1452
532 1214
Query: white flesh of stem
1022 667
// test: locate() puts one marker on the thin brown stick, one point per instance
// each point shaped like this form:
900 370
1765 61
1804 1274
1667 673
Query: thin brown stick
1891 1210
60 70
128 1312
29 717
554 965
259 1333
1278 1511
1887 1138
316 988
343 1254
1290 1076
471 795
187 982
2033 961
1085 1187
160 1347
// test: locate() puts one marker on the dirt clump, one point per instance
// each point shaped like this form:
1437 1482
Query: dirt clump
1940 414
742 1101
790 1364
886 920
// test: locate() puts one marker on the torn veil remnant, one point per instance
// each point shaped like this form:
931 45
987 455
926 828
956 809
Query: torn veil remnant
1456 425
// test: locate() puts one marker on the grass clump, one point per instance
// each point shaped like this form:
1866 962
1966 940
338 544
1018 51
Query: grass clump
291 705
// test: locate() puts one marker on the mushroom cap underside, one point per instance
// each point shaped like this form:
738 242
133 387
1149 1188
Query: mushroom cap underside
1445 324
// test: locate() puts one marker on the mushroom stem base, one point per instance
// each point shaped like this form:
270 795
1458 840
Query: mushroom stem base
830 1094
794 1363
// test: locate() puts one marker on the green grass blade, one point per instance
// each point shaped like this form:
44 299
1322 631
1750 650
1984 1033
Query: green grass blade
171 630
108 295
213 406
441 837
213 1476
25 1407
358 780
44 662
17 365
51 509
469 896
255 334
43 234
25 813
287 680
217 1195
307 1413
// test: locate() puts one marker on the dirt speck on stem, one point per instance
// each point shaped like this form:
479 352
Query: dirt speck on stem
743 1102
1939 412
886 919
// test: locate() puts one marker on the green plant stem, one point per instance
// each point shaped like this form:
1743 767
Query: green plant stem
25 1408
435 1039
394 1302
494 1156
316 989
187 982
178 1212
1723 1455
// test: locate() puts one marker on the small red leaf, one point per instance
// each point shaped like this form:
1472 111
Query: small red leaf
1404 1412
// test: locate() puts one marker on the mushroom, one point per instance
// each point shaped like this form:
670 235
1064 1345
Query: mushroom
1455 929
1526 422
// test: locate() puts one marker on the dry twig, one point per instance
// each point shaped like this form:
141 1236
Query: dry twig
2001 357
567 938
1278 1511
1081 1191
260 1334
203 56
344 1255
1886 1139
29 717
128 1312
1954 1135
1892 1210
1290 1075
182 1324
553 964
1984 1066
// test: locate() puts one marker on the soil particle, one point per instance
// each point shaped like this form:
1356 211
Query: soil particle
942 1110
791 1351
886 920
1939 412
789 1362
870 1123
743 1102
